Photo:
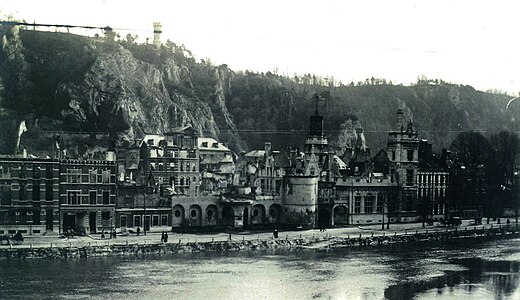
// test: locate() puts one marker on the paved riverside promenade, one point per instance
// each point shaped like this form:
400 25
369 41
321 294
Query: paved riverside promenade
177 238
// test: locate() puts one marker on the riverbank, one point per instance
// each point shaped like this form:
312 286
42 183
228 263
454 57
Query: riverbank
84 247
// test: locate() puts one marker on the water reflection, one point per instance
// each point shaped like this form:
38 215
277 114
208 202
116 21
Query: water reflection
488 270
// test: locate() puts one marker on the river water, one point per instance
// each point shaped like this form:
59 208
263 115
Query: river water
487 270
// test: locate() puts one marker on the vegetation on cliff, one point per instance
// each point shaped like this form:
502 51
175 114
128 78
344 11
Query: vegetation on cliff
66 82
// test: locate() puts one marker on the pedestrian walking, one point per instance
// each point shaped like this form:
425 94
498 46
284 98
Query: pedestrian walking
162 237
166 237
138 230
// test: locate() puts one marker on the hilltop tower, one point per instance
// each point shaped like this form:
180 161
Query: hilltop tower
157 30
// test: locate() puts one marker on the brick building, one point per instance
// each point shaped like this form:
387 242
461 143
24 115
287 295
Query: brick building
29 195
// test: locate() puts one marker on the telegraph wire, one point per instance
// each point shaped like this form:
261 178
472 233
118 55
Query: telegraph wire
106 28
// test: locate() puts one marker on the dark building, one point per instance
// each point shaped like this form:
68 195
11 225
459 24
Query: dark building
432 184
29 195
87 195
403 154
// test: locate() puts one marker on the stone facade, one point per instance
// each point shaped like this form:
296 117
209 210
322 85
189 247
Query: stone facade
29 195
87 196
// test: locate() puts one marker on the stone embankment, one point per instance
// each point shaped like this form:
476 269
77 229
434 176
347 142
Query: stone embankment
323 242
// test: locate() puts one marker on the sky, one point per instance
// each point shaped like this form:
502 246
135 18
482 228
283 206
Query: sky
466 42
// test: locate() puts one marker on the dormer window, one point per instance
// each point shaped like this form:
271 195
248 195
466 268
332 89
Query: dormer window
215 145
205 144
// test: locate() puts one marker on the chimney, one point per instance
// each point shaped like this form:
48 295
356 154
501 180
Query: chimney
267 148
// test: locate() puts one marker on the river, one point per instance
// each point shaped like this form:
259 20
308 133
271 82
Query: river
487 270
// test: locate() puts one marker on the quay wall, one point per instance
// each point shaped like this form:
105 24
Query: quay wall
323 242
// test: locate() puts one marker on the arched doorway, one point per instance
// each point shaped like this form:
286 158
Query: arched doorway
195 215
275 214
258 216
324 217
228 216
340 215
211 215
245 217
178 216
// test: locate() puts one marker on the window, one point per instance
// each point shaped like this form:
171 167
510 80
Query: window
155 220
105 215
48 172
177 213
22 191
99 176
409 155
36 190
380 201
84 199
369 204
357 204
92 197
164 220
36 172
5 195
92 175
409 177
193 213
123 221
73 197
73 175
137 221
23 171
409 203
105 176
106 197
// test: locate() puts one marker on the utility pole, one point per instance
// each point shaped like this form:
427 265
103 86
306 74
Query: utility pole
150 183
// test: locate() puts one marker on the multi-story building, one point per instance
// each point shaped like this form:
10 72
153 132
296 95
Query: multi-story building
260 171
403 155
29 195
217 165
432 184
363 200
87 195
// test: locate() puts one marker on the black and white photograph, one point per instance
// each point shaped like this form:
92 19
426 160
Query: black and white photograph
274 149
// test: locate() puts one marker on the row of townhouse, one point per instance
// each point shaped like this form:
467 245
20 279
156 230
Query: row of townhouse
39 196
181 181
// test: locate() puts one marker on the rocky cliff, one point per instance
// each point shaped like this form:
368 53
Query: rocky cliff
62 84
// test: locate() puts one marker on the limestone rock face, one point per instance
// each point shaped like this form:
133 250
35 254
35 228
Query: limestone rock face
350 135
128 97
